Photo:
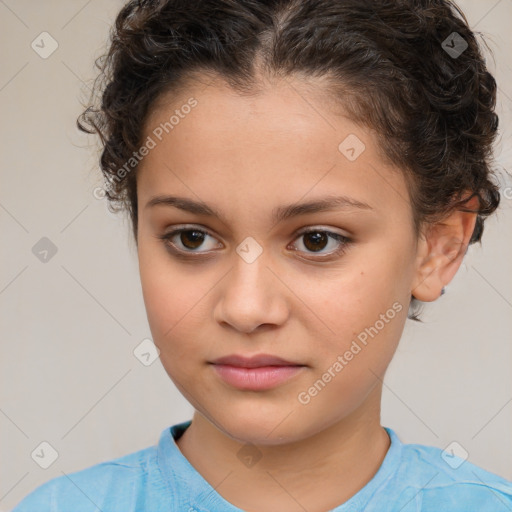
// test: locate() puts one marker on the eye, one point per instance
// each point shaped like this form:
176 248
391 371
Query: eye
189 239
315 240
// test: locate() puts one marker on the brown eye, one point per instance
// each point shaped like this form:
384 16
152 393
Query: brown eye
188 241
316 240
191 239
185 242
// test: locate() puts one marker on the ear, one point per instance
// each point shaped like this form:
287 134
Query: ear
441 250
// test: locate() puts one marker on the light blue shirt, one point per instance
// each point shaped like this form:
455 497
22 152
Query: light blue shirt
411 478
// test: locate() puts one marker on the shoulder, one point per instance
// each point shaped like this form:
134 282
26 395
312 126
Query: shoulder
442 481
113 485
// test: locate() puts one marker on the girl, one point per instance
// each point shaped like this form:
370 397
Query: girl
277 309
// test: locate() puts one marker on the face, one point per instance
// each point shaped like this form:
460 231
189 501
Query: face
332 301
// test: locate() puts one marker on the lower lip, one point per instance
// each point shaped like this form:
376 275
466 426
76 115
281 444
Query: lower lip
264 377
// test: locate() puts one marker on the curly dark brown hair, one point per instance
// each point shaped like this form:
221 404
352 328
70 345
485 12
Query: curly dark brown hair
387 62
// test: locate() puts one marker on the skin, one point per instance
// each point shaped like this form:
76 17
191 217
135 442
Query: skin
235 153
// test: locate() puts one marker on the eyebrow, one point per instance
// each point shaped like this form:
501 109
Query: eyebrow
279 214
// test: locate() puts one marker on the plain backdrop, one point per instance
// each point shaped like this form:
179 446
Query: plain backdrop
70 325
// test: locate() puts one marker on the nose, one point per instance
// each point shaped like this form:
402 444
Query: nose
253 296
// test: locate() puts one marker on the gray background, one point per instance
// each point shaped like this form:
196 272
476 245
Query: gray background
69 326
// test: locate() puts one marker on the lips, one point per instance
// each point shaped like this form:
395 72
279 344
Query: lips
257 361
257 373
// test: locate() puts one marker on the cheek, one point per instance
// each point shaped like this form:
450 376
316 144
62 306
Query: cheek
171 294
171 303
367 305
367 322
171 315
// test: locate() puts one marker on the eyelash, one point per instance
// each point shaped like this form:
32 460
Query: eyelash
344 242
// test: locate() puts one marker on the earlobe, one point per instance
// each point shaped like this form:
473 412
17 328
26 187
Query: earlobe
441 250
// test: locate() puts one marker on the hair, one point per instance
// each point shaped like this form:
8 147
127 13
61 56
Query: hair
383 61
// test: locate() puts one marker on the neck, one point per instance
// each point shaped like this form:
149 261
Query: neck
319 472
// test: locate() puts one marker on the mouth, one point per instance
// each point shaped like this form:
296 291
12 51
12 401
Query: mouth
256 373
256 361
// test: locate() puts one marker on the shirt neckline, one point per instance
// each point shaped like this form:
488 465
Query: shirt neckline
188 487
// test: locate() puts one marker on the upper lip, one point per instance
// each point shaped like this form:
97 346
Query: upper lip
254 361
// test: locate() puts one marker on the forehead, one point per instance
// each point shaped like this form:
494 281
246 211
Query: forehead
283 143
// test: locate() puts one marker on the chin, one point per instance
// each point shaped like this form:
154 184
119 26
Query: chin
259 427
